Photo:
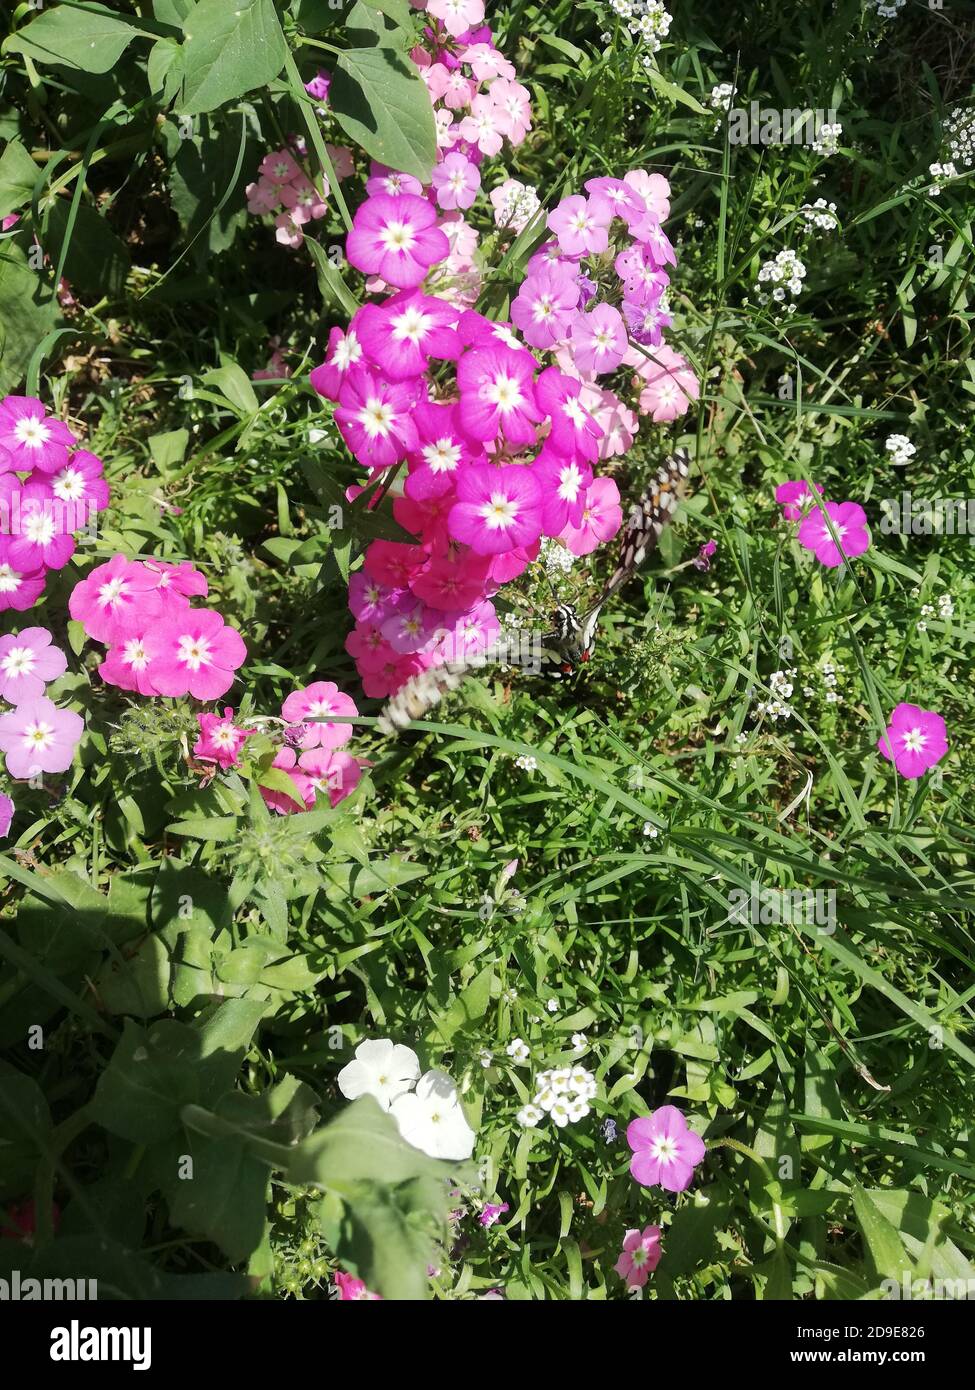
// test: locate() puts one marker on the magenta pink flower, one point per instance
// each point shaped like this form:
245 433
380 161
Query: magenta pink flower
396 238
129 661
328 770
368 648
27 662
915 740
497 395
639 1257
643 283
795 498
443 449
351 1288
39 737
598 339
117 599
492 1212
473 631
220 739
287 803
850 525
547 305
574 431
79 483
564 484
319 85
665 1151
320 698
375 418
32 438
601 518
344 351
497 509
40 538
452 582
456 180
17 590
183 579
393 563
6 815
580 225
198 655
403 334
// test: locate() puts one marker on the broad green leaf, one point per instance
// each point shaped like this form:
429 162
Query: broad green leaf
884 1247
92 39
150 1077
228 49
18 175
380 102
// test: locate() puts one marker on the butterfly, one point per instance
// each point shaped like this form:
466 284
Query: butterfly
571 641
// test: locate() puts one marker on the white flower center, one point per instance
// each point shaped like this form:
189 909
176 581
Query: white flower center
376 417
443 456
19 661
411 325
398 236
504 392
134 654
194 652
10 580
38 735
69 485
32 433
914 741
500 512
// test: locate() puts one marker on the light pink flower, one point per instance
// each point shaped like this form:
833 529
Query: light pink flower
640 1256
320 698
669 384
28 662
456 180
599 339
457 16
580 225
39 737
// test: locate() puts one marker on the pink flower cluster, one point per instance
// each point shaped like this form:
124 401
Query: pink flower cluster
35 736
498 454
48 492
157 643
595 319
285 191
311 755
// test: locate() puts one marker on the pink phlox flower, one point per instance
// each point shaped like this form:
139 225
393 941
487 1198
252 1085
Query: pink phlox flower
580 225
915 740
614 198
665 1151
573 431
405 332
639 1257
456 180
280 167
795 498
599 339
79 483
497 509
41 538
119 598
601 518
394 563
653 189
514 101
491 1212
497 395
32 438
469 632
391 182
546 306
486 125
412 630
220 738
396 238
351 1288
453 582
28 661
442 450
198 655
374 417
668 383
344 351
564 483
368 599
331 771
308 705
850 526
128 663
38 737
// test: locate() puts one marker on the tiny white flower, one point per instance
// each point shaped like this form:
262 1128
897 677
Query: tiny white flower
579 1042
529 1116
518 1050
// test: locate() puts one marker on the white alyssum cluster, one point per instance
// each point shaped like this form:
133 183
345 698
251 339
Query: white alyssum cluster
785 274
647 21
820 216
563 1094
526 762
720 101
888 9
516 206
959 138
426 1108
777 706
830 678
942 174
827 139
945 610
900 448
555 558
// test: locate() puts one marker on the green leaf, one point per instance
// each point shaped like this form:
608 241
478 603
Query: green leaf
150 1077
229 49
382 104
386 1234
887 1254
25 1126
18 175
362 1143
88 40
28 310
